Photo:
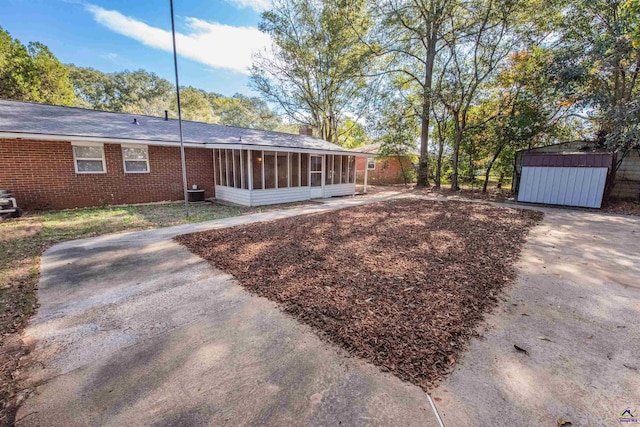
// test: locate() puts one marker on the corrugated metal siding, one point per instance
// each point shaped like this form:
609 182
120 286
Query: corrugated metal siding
339 190
568 186
274 196
233 195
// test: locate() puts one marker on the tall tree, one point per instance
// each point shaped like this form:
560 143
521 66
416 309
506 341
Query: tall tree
32 73
141 92
597 63
195 105
411 35
124 91
244 111
315 71
474 52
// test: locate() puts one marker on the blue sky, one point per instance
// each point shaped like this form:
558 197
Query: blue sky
215 38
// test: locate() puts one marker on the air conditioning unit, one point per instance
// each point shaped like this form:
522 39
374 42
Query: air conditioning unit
8 206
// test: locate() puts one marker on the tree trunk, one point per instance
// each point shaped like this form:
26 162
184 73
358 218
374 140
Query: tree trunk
456 154
423 165
404 175
486 174
438 180
500 179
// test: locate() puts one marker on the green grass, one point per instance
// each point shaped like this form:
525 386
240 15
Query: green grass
23 240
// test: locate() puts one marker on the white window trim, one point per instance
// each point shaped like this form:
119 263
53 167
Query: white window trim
374 164
124 161
88 144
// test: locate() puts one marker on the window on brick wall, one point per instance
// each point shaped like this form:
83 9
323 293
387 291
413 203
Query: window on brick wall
89 158
371 164
135 158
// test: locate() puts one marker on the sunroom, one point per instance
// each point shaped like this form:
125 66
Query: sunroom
255 177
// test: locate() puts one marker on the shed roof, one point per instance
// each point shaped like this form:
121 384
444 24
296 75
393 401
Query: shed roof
39 119
560 159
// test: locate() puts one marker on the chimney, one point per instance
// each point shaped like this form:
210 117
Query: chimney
166 115
305 130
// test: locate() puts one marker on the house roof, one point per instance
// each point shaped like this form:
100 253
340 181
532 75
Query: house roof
374 148
33 119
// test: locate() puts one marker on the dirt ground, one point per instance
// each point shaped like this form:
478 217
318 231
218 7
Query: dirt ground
402 283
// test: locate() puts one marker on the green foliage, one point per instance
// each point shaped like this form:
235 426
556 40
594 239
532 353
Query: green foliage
352 134
397 128
596 65
195 105
32 73
141 92
315 71
244 111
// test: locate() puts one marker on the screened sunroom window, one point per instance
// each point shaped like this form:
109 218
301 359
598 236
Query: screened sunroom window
135 158
269 169
304 169
345 170
89 158
283 169
352 169
294 170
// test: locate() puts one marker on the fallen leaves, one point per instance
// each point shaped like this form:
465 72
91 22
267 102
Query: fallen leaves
401 283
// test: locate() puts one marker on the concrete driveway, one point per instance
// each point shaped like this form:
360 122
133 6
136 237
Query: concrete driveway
135 330
579 287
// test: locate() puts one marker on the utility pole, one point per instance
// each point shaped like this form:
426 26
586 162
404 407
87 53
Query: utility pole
182 158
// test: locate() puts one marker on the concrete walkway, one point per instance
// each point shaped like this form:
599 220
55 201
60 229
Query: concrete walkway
133 329
576 310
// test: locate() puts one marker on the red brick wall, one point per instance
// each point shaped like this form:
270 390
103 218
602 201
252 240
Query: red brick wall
41 175
387 171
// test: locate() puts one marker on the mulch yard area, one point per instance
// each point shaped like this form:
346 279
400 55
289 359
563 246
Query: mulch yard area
401 283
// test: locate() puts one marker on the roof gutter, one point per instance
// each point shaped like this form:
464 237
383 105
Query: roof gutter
245 146
241 146
74 138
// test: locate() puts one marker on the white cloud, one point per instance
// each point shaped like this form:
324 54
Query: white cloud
110 56
257 5
210 43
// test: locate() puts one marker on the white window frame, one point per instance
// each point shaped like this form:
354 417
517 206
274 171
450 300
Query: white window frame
124 161
88 144
369 159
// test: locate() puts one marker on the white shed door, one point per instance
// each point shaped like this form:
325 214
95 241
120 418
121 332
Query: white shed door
563 186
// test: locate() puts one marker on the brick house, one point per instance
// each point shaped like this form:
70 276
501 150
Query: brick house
61 157
384 170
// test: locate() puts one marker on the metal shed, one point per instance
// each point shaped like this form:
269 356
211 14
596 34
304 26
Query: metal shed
569 179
